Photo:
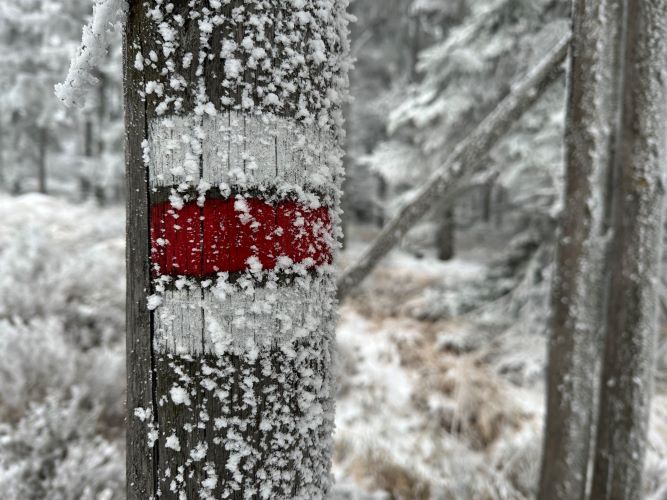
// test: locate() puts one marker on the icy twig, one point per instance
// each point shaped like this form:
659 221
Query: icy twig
107 14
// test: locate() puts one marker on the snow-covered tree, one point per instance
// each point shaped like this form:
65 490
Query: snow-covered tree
233 114
41 146
381 41
626 386
578 289
27 119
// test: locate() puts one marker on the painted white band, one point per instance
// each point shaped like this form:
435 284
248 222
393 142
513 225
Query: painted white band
237 320
238 150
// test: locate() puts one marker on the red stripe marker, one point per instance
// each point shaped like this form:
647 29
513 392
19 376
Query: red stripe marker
231 232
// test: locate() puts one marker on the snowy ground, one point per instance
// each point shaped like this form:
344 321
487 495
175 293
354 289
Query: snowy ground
440 394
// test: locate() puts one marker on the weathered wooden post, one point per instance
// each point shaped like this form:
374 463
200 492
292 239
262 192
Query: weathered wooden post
233 168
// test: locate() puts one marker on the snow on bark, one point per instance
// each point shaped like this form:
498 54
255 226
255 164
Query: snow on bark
265 152
107 16
259 318
242 114
578 297
637 223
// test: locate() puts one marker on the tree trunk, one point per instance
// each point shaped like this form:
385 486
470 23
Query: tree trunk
85 186
637 223
88 138
100 189
381 200
3 174
41 159
487 201
101 111
500 205
414 43
234 169
578 297
100 195
463 164
445 233
346 215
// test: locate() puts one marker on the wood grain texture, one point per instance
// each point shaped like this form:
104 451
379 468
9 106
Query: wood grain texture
274 316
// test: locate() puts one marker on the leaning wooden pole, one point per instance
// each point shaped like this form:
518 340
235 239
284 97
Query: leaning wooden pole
637 222
233 167
463 164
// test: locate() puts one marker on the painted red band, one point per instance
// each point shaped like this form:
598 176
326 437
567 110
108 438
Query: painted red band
223 235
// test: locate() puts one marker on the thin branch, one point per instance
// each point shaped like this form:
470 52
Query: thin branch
107 14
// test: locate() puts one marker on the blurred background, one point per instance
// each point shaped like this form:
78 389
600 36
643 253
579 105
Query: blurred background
441 350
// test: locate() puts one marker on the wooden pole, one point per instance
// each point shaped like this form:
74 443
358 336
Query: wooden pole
234 167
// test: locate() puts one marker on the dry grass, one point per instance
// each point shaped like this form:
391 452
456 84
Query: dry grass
377 470
463 397
387 290
466 410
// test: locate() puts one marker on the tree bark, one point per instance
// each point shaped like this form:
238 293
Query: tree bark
141 458
445 233
628 367
101 111
578 297
462 165
234 166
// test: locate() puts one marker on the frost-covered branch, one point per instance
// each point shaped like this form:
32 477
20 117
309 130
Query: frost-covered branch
107 14
462 165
